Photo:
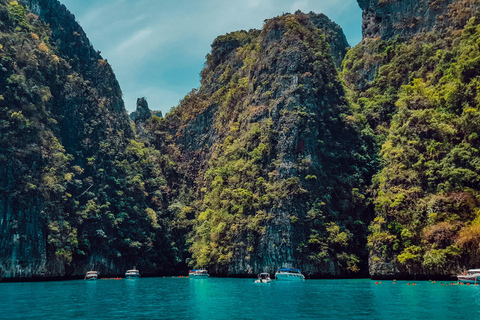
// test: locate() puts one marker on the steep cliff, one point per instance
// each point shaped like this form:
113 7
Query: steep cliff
412 82
274 165
385 22
74 195
268 164
387 19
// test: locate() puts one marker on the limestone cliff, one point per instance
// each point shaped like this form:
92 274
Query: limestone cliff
273 164
387 19
411 52
72 195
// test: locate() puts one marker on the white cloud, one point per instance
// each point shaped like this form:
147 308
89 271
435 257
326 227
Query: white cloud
153 43
138 45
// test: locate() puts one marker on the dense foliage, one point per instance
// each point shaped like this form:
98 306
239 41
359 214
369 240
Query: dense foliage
277 151
66 157
274 161
419 100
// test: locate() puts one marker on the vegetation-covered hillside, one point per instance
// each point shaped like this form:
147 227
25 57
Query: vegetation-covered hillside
78 191
277 173
418 97
276 160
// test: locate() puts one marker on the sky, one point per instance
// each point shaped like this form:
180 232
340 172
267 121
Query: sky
157 48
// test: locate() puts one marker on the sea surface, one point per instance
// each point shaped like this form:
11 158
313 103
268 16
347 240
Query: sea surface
224 298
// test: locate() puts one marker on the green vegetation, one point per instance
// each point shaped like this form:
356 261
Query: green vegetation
93 188
275 152
275 157
421 108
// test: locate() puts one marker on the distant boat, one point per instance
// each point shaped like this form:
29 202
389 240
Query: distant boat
198 274
263 278
289 274
91 276
132 274
471 276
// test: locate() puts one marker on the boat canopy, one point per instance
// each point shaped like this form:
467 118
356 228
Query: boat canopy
290 269
474 271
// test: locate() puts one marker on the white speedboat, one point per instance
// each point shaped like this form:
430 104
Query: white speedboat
132 274
263 278
289 274
91 276
470 276
198 274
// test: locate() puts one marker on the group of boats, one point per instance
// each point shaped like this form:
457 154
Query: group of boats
198 274
130 274
287 274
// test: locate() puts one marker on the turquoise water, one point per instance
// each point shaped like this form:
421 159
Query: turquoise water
223 298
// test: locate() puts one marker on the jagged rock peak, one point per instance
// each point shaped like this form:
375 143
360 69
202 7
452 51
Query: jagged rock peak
225 45
390 18
142 113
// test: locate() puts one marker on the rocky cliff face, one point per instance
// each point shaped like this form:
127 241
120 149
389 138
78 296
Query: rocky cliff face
387 19
270 157
407 47
264 166
72 44
67 152
401 21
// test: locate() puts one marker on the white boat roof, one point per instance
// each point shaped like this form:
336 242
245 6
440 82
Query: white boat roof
91 272
474 270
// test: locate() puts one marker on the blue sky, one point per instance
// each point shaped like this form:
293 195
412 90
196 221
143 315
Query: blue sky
157 48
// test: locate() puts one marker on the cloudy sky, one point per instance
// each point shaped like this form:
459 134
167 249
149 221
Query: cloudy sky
157 48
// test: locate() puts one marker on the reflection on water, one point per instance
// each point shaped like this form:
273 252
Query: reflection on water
220 298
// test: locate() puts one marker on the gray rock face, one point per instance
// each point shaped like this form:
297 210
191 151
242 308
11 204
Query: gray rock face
86 110
73 45
387 19
23 241
142 113
334 36
293 84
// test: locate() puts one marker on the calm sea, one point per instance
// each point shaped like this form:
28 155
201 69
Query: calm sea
221 298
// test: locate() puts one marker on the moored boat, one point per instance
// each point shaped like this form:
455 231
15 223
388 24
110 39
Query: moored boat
198 274
289 274
91 276
470 276
263 278
132 274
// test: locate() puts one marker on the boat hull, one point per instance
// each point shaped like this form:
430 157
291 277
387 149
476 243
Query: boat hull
289 276
91 278
199 276
468 279
263 281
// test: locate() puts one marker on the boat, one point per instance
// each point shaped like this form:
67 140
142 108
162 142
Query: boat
263 278
289 274
132 274
198 274
470 276
91 276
